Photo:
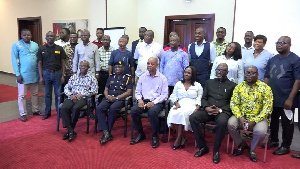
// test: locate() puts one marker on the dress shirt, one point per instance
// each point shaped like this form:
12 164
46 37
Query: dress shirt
194 92
235 69
218 93
89 53
61 43
254 103
247 51
143 52
86 85
260 62
172 65
220 49
24 61
104 57
199 50
153 88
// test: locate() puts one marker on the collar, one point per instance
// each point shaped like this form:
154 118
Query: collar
251 47
223 43
201 43
156 74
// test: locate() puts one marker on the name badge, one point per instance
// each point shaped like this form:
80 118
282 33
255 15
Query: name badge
57 52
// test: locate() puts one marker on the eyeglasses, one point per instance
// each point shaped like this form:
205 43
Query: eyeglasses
281 43
221 70
250 73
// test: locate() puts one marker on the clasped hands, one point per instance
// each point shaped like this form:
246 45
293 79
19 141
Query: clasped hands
212 110
74 98
251 124
142 105
110 98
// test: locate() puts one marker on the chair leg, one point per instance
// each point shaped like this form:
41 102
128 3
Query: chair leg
88 121
125 125
266 147
96 124
58 120
169 134
131 130
232 147
228 142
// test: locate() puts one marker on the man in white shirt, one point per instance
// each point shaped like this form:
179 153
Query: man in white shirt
64 35
144 51
248 48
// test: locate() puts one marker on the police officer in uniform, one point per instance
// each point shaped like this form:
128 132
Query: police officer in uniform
118 87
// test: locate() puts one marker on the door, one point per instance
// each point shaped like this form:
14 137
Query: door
185 26
34 24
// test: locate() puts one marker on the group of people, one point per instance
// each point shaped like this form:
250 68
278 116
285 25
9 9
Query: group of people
237 87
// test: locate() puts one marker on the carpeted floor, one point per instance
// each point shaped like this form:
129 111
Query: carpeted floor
10 93
37 144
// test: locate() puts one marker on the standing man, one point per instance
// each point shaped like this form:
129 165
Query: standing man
220 43
215 107
202 55
283 76
99 40
144 51
168 46
79 87
51 62
24 62
104 54
69 50
173 63
89 52
64 37
248 48
122 54
118 87
251 103
142 31
151 92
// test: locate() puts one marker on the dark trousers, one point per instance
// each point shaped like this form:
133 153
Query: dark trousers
152 115
103 76
101 110
70 111
201 116
171 88
287 127
202 79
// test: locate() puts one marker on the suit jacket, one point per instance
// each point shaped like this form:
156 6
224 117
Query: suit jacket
219 94
133 47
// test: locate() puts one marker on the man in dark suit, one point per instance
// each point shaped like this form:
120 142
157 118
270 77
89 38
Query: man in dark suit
215 107
142 31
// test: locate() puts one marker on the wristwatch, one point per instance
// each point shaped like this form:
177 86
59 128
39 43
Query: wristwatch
117 98
220 111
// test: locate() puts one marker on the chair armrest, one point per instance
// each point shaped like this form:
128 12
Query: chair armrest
128 101
98 98
167 107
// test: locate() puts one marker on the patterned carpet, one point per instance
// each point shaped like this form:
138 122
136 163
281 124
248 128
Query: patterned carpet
37 144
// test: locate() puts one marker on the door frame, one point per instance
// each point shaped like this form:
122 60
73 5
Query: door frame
168 20
38 20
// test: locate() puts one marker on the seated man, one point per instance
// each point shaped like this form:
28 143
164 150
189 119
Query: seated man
251 104
117 88
216 107
77 89
151 92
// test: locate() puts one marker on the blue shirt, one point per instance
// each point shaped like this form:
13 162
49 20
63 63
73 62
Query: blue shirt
282 73
24 61
260 62
125 56
153 88
173 64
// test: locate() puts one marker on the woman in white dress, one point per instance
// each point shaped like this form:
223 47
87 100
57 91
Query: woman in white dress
186 97
233 58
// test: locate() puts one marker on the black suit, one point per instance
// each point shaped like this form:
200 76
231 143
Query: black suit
134 44
219 94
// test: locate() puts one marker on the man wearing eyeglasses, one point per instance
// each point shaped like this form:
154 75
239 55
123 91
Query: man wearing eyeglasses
251 104
283 76
215 107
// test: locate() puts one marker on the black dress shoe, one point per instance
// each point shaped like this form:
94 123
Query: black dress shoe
216 158
72 136
240 149
138 139
46 116
296 156
92 116
38 113
23 118
66 135
201 152
281 151
252 156
271 144
155 142
106 137
82 114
